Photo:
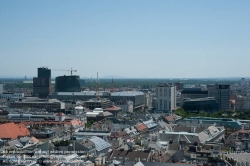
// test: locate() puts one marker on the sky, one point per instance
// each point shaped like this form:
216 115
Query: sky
128 38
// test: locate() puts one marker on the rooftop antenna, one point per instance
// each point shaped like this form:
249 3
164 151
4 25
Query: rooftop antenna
97 89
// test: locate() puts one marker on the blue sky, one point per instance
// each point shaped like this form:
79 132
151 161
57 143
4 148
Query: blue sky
130 38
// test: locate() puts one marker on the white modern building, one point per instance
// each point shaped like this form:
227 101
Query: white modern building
9 96
165 97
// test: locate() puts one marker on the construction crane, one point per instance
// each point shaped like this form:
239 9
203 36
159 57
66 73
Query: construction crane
71 71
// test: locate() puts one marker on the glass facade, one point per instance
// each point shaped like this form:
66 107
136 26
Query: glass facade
67 84
207 105
44 72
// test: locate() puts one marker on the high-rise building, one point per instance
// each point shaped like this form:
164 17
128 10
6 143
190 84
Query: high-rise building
179 85
243 82
221 92
67 84
42 83
165 97
44 72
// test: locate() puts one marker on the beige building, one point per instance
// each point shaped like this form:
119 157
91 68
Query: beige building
165 97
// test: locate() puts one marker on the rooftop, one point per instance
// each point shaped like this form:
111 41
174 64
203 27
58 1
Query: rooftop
113 108
100 143
12 130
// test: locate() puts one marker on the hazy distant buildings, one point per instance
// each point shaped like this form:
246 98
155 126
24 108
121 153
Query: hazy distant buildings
1 88
42 83
166 97
243 82
67 84
179 85
222 93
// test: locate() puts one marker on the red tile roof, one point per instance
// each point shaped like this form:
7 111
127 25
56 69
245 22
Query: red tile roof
118 134
169 118
34 139
113 108
141 127
12 130
77 123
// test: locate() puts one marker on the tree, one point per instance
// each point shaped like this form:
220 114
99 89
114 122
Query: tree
181 112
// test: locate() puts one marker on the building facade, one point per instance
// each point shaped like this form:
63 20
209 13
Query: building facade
242 103
98 103
208 104
192 93
222 93
179 85
42 83
67 84
137 97
127 106
166 97
9 96
39 104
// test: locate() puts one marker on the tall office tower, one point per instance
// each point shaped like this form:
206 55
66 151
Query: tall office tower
165 97
42 83
67 84
1 88
221 92
243 82
179 85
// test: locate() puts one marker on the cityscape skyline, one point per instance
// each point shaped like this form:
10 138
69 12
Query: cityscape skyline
142 39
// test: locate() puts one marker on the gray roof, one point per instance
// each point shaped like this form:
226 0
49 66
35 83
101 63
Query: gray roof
150 124
127 93
105 114
165 164
128 154
26 139
86 143
162 123
100 144
13 143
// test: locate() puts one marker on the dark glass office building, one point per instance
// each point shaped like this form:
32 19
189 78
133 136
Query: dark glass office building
42 83
44 72
208 104
67 84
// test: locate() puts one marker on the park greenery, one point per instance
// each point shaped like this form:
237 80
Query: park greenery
245 115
